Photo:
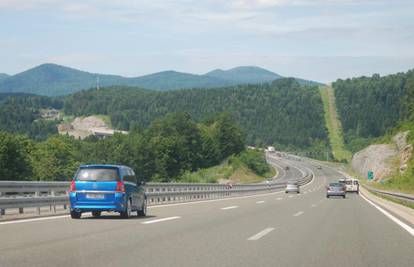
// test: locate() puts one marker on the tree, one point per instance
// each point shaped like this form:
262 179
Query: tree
14 157
55 159
229 137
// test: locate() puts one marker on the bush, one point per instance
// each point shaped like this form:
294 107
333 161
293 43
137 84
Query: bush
255 160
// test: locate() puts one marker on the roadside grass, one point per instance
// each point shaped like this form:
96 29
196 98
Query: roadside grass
334 125
209 175
233 169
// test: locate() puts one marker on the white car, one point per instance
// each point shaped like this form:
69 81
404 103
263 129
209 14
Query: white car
292 187
351 184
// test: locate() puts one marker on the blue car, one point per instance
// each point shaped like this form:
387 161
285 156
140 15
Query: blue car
97 188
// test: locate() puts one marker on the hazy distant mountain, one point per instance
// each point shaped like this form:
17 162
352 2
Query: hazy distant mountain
3 76
53 80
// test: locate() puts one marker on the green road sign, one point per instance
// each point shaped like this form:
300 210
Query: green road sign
370 175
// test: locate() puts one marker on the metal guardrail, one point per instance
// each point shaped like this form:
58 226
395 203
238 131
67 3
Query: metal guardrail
395 195
20 195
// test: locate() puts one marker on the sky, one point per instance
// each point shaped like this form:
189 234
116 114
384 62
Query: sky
321 40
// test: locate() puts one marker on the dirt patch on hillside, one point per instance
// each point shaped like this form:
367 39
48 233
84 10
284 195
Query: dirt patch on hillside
83 127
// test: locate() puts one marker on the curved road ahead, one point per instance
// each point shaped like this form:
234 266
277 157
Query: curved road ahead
265 230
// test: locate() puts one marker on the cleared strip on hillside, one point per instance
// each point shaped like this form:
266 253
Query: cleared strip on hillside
334 124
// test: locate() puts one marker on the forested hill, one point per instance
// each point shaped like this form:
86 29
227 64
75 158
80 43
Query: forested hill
21 114
283 113
371 106
54 80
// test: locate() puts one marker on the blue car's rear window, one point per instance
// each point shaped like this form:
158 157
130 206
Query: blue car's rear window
97 175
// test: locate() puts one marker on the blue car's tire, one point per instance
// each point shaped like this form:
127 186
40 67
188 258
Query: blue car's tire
143 211
128 209
75 214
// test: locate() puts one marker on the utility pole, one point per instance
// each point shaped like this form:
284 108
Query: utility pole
97 82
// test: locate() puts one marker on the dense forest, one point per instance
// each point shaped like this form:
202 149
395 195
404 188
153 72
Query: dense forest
20 113
168 148
282 113
371 106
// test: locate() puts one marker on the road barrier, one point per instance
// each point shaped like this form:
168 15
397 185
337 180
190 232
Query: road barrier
20 195
394 195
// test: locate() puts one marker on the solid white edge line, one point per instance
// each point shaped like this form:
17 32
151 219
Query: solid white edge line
261 234
260 202
393 218
35 219
161 220
230 207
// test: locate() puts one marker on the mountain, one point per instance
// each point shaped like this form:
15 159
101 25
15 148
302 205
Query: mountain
171 80
54 80
244 75
3 76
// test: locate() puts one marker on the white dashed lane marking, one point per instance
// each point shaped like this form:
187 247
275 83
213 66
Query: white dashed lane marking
261 234
161 220
229 208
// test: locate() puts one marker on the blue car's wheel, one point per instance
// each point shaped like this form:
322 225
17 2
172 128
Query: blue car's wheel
75 214
128 209
143 211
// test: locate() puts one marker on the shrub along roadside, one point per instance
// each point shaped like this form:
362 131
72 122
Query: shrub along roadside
246 167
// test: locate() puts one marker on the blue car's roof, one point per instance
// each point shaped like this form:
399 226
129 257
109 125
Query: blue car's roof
102 166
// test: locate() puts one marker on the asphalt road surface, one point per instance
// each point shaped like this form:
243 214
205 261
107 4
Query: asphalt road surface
275 229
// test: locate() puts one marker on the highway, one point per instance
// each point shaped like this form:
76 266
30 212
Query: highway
272 229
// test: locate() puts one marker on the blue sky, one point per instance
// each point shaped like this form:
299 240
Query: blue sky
314 39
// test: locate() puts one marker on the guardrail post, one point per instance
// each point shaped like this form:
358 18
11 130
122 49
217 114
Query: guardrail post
2 211
37 194
20 209
54 206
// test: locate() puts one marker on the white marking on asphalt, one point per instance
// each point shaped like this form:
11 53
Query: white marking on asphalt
298 214
260 202
36 219
290 196
261 234
214 200
162 220
314 205
394 219
229 208
279 198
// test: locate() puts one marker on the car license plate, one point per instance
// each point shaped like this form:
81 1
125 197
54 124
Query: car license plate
95 196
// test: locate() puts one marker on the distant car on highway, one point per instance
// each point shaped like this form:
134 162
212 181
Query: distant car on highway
319 167
351 184
287 168
335 189
97 188
292 187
